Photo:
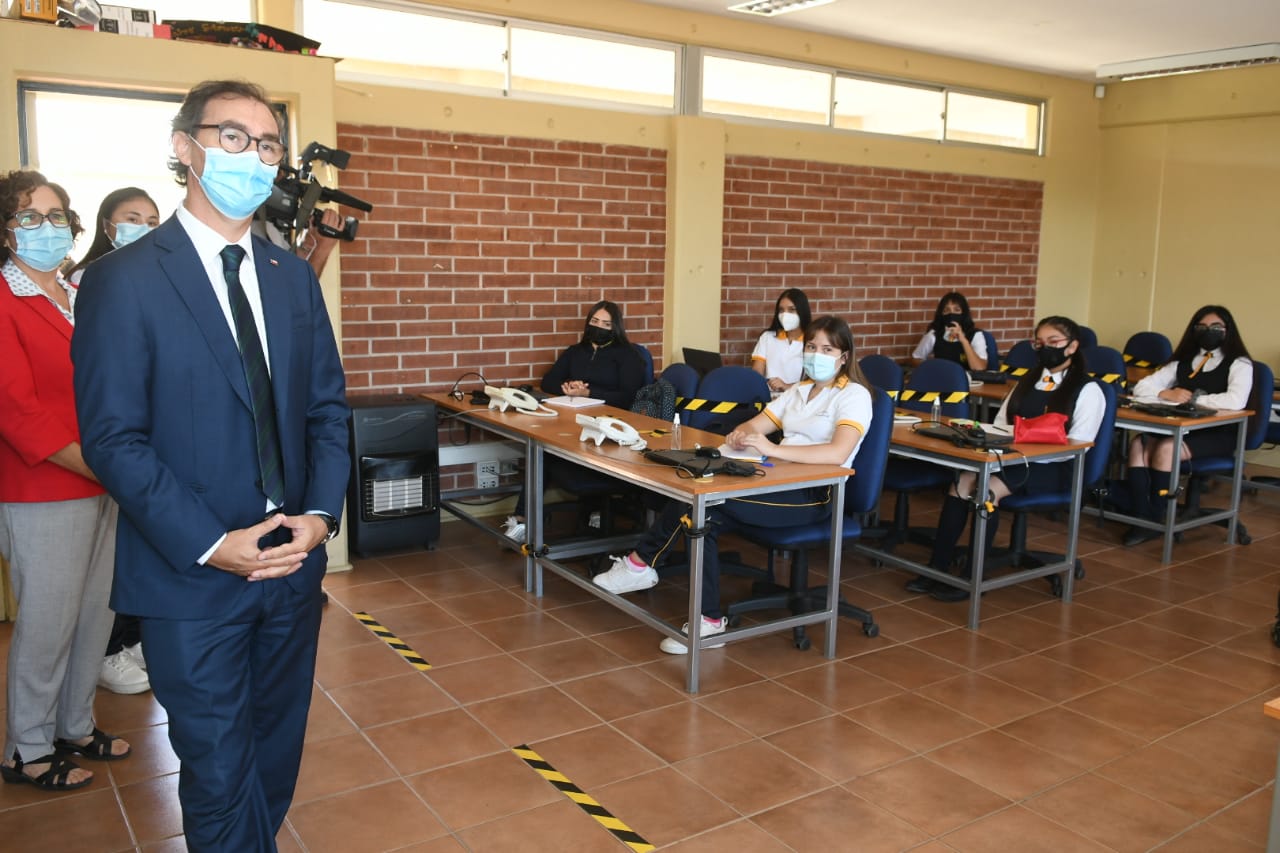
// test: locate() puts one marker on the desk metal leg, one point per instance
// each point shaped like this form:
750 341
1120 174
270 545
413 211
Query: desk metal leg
1237 474
833 567
1273 830
533 515
1171 508
698 514
1073 526
979 548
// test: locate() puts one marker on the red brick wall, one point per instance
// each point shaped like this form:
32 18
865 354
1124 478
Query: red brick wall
878 247
483 253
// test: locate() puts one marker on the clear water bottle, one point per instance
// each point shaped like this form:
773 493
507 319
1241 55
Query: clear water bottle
935 412
675 432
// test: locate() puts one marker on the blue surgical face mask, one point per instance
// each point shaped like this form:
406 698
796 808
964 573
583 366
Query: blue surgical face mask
127 232
236 184
819 366
43 248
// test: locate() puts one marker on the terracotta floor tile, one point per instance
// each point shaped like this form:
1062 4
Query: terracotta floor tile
570 659
914 721
621 693
389 699
776 655
415 563
1238 670
443 844
1190 622
152 807
752 776
1023 632
383 817
484 606
1079 619
178 844
425 743
1150 641
741 837
556 826
1247 613
363 572
440 585
1204 837
325 719
1045 677
764 708
1006 765
985 699
1248 750
1193 786
372 597
834 819
355 664
838 748
152 756
340 630
901 623
595 617
967 648
1255 643
1022 830
91 822
1202 695
1133 712
417 618
525 631
664 806
1161 587
839 685
533 715
1079 739
1111 814
718 673
485 678
339 764
637 644
120 715
483 789
681 731
1099 659
906 666
597 756
450 646
927 795
1248 819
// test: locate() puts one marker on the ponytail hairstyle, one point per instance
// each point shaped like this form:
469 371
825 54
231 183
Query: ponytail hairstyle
1061 398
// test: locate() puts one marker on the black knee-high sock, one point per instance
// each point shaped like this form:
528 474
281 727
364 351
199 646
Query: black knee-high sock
955 514
1159 502
1140 491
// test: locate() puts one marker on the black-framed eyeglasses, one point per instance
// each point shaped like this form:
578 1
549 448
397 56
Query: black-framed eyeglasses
234 140
1217 327
30 219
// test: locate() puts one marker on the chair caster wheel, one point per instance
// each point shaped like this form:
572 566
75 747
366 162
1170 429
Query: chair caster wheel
803 644
871 629
1055 585
1275 634
735 620
1079 570
1242 537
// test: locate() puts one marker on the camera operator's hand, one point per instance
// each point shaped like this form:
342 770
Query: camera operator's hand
324 245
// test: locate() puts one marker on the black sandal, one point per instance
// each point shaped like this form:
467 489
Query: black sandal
98 749
53 779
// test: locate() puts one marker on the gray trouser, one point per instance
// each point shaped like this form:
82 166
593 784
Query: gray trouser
61 555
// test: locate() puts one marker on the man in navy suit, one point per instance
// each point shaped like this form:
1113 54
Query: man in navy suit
211 400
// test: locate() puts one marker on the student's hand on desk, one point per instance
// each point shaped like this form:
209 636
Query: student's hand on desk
1176 395
741 440
575 388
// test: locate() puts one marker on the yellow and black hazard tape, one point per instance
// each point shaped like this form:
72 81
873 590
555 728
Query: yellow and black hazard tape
719 407
415 660
930 396
620 830
1014 371
1137 362
1110 378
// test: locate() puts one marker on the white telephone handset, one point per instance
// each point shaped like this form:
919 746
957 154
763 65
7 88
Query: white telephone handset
521 401
598 429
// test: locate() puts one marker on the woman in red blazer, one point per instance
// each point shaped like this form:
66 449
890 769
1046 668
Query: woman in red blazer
57 525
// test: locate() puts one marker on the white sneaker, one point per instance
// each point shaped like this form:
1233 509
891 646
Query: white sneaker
121 674
673 646
513 529
621 577
135 652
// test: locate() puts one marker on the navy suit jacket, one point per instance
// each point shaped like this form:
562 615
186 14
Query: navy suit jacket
166 422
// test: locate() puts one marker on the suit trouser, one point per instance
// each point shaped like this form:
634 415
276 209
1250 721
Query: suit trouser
61 554
237 690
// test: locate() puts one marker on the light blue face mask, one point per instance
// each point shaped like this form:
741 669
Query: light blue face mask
819 366
127 232
45 247
236 184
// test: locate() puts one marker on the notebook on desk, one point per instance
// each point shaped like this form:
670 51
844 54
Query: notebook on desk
701 360
1171 410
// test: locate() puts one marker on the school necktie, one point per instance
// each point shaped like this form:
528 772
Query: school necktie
1049 384
255 371
1201 365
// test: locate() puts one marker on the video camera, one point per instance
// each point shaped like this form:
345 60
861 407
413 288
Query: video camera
292 206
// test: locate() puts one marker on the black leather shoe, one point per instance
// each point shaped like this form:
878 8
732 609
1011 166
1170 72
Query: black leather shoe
946 592
921 585
1138 535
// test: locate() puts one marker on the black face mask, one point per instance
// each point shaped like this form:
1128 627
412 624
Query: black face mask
599 336
1210 338
1051 358
947 319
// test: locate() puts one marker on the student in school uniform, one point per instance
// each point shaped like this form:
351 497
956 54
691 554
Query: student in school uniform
822 420
1061 385
780 349
952 335
1210 367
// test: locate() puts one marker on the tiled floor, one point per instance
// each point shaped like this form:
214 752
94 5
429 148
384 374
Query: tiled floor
1129 720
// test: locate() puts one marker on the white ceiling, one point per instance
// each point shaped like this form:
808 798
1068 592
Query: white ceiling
1067 37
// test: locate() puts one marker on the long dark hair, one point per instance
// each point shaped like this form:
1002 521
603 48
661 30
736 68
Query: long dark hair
615 316
101 242
798 299
1232 347
16 188
966 320
837 332
1061 398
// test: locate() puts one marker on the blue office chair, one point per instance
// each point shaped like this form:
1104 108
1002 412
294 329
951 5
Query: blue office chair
882 372
993 353
683 378
937 375
1087 337
1021 355
730 384
647 357
1095 477
1150 347
1272 437
1201 467
1106 364
861 494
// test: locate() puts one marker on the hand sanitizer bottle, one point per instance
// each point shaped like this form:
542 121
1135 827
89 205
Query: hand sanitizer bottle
675 432
935 412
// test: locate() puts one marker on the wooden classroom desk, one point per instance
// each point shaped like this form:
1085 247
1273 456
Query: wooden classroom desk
559 436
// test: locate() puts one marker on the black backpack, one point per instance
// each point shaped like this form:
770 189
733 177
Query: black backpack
657 400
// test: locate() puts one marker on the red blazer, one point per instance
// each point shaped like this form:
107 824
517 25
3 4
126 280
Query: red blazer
37 402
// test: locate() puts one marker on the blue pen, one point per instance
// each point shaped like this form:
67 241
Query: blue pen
764 464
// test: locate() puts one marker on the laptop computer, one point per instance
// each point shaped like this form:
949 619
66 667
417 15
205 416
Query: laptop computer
701 360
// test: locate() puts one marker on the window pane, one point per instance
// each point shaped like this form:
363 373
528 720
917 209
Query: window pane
875 107
992 121
136 156
199 10
584 67
757 90
407 46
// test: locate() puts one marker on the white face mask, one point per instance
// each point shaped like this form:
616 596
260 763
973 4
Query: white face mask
790 321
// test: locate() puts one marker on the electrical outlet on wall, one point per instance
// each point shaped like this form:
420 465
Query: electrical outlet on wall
487 474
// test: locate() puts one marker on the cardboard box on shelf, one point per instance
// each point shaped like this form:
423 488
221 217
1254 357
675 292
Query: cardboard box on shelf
34 10
259 36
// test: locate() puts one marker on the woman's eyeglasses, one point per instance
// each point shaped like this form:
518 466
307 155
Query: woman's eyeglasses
30 219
